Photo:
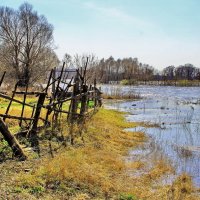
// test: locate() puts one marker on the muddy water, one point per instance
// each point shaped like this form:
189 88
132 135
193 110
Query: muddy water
176 112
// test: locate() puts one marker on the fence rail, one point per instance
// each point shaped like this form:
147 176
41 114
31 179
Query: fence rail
75 92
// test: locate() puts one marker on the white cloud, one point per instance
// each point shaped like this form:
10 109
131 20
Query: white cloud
117 14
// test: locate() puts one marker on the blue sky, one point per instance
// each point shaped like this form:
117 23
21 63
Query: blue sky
157 32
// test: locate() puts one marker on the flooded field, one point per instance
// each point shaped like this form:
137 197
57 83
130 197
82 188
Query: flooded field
175 112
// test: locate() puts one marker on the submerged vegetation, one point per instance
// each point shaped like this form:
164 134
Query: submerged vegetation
117 92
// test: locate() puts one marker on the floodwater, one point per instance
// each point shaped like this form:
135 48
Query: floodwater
176 113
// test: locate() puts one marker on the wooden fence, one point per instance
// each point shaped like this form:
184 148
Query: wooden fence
63 94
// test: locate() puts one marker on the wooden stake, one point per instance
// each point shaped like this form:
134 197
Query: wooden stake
40 103
84 100
11 100
74 102
24 100
12 141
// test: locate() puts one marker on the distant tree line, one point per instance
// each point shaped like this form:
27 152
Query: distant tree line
130 71
182 72
108 70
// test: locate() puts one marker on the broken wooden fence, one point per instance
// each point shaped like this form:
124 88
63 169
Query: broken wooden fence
67 86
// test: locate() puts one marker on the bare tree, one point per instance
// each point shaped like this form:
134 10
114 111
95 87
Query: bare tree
168 72
186 71
80 61
26 39
67 59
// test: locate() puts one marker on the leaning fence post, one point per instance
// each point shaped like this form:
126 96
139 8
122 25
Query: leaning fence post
13 94
12 141
33 129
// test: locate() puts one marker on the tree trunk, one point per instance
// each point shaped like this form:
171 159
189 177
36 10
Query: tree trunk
24 76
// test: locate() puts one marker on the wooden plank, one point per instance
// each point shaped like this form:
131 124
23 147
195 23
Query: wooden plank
29 93
48 84
95 93
15 117
40 103
74 102
53 82
84 99
11 100
89 94
67 112
84 75
15 100
65 92
66 99
60 77
24 100
49 110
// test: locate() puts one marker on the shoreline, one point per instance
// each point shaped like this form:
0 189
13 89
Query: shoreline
95 168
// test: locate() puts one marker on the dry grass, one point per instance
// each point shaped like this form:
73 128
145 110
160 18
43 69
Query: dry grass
95 168
117 92
16 109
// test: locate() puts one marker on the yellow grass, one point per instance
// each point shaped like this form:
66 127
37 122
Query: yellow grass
16 109
96 168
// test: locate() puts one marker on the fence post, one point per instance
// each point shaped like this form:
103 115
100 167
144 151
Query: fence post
89 96
13 94
72 117
33 130
12 141
23 105
84 100
53 85
95 93
99 97
74 101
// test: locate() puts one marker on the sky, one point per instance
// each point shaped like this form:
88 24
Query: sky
158 32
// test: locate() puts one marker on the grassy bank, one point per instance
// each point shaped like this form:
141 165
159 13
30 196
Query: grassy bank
96 167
